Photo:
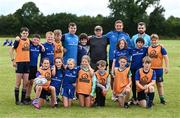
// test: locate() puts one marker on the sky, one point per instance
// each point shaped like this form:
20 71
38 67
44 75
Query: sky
80 7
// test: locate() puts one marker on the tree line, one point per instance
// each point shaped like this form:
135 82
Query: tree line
129 11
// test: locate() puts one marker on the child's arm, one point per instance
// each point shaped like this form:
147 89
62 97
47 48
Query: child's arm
93 86
42 47
113 67
166 59
53 70
11 53
129 77
91 70
108 83
139 85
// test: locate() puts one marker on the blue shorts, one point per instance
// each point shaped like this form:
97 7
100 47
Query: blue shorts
68 92
159 75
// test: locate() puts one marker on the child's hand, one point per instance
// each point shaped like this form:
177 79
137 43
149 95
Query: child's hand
17 38
74 84
14 63
166 70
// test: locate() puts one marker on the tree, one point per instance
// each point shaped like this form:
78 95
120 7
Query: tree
131 11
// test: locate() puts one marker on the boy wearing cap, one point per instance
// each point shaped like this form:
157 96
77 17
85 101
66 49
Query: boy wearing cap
98 46
103 83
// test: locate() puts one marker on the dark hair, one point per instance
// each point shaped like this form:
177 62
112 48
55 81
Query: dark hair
140 39
36 36
24 29
141 24
123 57
72 24
45 59
125 43
58 58
83 36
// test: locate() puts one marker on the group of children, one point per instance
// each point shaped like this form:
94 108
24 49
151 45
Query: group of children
138 68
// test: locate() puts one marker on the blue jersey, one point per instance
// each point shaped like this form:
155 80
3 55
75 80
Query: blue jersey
113 38
146 37
123 52
34 53
137 56
70 76
49 53
70 43
82 50
56 80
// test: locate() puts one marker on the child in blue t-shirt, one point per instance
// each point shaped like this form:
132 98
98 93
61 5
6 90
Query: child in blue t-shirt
57 76
69 82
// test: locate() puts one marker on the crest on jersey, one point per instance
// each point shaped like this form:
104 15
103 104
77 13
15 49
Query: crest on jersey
25 47
153 54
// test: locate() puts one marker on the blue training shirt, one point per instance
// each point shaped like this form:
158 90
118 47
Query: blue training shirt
70 43
48 53
146 37
70 76
123 52
137 56
34 53
114 37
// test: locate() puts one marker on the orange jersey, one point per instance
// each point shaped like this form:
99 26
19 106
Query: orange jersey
84 82
46 74
145 78
156 56
102 78
58 50
23 51
121 80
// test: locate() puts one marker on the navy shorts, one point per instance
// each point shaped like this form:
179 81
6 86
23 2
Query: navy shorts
141 96
32 72
68 92
159 75
44 94
22 67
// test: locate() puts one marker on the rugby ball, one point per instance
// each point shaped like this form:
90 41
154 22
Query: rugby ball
40 80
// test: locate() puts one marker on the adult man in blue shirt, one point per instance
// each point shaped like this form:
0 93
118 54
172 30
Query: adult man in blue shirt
141 33
70 43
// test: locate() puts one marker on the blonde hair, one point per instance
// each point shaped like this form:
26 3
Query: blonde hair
86 57
146 59
57 32
71 60
50 33
154 36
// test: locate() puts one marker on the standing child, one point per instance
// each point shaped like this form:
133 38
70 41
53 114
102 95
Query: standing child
21 61
121 50
85 83
83 48
158 53
57 76
103 83
69 82
138 53
145 79
44 88
58 48
49 48
122 82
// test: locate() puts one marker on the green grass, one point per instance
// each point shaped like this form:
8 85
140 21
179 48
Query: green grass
171 85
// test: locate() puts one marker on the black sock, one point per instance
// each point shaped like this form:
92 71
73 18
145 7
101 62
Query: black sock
23 95
151 96
16 93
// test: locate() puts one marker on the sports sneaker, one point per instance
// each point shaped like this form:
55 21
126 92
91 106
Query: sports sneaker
35 103
17 103
114 98
163 102
126 105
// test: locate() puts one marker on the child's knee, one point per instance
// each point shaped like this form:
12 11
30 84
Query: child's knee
151 89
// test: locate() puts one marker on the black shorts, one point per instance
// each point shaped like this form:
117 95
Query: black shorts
32 72
22 67
110 65
44 94
141 96
85 95
159 79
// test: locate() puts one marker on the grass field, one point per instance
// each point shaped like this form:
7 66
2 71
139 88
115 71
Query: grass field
8 109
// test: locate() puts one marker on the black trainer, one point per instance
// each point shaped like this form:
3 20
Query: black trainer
163 102
126 105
